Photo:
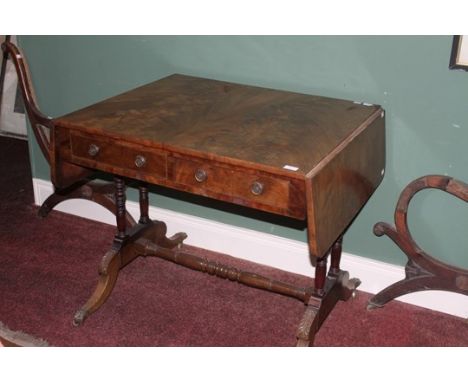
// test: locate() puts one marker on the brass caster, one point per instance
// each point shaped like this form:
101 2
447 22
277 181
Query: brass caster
372 306
302 343
79 317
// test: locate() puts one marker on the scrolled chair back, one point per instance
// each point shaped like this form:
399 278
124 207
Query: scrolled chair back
40 123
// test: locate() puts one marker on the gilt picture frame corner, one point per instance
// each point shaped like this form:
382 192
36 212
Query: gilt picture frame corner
459 53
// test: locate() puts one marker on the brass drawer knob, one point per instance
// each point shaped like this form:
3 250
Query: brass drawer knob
200 175
257 188
140 161
93 150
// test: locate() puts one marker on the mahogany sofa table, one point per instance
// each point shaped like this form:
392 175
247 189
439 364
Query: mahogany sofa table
301 156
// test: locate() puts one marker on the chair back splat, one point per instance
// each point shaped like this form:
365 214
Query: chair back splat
70 181
40 123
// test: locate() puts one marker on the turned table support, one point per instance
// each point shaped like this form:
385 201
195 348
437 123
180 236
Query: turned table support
144 204
120 200
320 276
328 290
123 249
423 272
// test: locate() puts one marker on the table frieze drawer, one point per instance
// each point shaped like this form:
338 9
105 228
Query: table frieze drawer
238 186
112 155
261 188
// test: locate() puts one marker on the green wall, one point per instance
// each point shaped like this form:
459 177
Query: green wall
426 106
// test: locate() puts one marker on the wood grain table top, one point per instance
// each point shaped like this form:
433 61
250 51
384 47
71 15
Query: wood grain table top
221 120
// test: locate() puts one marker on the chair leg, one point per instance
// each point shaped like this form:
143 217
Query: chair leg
423 271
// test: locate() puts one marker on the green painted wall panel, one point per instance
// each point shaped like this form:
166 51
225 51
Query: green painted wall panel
426 106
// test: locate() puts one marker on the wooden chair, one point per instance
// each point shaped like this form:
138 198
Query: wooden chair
423 272
81 184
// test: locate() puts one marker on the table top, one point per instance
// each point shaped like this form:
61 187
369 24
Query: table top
272 128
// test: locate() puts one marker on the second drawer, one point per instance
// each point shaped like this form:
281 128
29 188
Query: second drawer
204 178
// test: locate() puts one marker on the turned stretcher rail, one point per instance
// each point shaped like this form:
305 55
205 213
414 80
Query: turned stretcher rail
148 248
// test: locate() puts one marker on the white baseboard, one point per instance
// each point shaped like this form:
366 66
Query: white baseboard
263 248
